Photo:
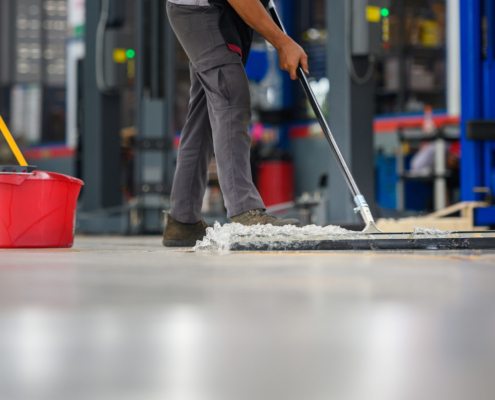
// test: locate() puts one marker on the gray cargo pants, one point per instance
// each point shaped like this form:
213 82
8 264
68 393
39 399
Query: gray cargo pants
218 118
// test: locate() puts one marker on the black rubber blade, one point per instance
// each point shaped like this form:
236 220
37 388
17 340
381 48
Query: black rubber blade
479 240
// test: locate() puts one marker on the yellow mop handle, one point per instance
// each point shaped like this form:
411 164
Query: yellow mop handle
12 143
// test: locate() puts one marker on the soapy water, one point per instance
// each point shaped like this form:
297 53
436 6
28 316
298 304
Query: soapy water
430 232
223 238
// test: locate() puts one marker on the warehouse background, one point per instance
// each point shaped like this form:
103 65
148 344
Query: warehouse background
64 69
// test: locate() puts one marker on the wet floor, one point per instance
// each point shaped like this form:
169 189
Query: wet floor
124 318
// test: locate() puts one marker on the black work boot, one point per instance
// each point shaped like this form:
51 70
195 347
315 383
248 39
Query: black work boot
258 216
177 234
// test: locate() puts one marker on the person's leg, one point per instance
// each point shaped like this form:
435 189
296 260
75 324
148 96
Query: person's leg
194 156
229 106
225 83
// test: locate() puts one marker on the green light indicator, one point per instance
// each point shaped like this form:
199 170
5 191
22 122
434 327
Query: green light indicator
385 13
130 54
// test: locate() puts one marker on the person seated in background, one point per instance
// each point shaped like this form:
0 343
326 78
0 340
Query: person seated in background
423 164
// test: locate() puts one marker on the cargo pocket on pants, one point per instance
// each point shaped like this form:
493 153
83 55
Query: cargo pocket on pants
226 85
223 86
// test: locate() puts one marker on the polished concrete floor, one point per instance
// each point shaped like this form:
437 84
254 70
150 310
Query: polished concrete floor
123 318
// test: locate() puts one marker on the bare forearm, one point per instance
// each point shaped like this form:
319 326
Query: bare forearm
290 54
255 15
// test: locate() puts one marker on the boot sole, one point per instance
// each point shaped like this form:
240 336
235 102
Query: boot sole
178 243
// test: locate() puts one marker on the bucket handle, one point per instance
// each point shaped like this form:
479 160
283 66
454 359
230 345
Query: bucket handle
13 145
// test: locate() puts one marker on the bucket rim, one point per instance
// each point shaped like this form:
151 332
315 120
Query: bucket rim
19 178
53 176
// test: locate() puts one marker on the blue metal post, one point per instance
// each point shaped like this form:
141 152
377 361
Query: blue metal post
478 100
472 96
489 90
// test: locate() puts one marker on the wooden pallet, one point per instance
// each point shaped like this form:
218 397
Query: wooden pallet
442 219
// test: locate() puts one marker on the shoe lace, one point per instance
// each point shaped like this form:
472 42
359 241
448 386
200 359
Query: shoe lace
262 215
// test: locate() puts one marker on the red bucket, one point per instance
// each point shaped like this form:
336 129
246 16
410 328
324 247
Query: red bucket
37 209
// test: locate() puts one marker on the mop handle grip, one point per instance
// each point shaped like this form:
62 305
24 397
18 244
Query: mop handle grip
13 145
278 21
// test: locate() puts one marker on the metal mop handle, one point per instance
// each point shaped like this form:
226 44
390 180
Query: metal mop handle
361 205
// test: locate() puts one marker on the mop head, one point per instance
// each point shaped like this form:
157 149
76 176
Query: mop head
237 237
229 236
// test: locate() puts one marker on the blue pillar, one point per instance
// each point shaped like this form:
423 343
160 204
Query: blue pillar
489 92
471 96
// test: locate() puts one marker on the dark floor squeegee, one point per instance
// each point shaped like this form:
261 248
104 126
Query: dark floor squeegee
371 238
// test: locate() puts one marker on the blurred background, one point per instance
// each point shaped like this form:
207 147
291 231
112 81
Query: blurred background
99 90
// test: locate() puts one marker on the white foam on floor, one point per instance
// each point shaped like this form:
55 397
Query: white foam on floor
429 231
223 237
